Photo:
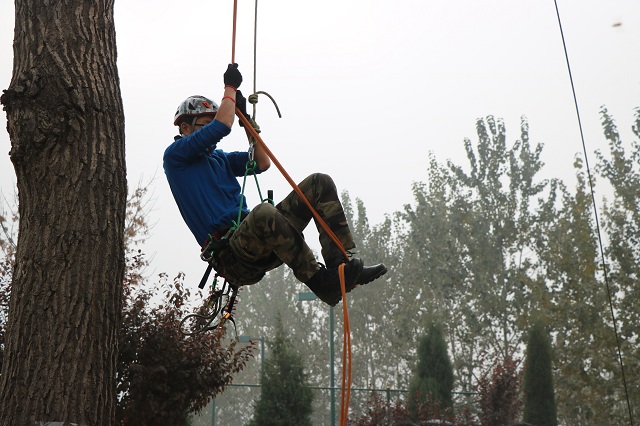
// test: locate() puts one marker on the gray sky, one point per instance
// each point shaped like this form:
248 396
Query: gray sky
367 88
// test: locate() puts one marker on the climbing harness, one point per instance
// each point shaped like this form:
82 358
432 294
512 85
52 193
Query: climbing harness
215 243
222 301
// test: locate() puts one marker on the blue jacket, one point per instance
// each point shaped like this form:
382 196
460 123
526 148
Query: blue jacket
203 179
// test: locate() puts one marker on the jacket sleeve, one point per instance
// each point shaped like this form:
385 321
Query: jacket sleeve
189 148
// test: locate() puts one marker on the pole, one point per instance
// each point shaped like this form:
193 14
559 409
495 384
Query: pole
213 411
332 374
261 358
388 406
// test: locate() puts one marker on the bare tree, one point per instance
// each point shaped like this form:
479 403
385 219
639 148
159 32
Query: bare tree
66 123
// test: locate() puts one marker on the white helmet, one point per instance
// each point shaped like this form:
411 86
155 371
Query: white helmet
194 106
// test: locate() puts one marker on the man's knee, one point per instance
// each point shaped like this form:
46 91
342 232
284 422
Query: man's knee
319 184
322 179
263 213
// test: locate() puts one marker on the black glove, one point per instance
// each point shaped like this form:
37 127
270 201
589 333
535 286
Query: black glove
241 104
232 76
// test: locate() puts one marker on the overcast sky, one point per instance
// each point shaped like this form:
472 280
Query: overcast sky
367 88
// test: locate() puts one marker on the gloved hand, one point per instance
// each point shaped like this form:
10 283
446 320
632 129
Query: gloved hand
232 76
241 104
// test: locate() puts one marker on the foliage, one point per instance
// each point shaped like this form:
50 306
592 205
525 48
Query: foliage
485 247
162 375
376 412
498 403
576 305
285 397
379 412
499 389
539 399
5 289
433 378
496 204
622 224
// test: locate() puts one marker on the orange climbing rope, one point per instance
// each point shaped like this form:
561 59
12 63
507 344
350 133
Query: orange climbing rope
346 350
346 347
295 187
346 363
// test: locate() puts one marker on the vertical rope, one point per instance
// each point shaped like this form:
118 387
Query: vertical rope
233 35
345 395
346 350
595 212
255 49
255 44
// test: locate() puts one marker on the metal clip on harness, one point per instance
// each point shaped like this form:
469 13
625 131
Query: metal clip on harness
202 321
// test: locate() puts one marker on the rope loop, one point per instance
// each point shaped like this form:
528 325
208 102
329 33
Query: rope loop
262 92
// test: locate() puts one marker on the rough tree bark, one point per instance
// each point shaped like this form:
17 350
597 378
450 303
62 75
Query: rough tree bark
66 123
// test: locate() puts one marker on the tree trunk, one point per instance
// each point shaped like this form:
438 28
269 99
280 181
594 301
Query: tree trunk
66 123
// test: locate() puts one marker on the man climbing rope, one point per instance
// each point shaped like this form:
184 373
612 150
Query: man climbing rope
204 184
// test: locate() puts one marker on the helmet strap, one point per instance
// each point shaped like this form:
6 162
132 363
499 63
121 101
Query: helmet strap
192 124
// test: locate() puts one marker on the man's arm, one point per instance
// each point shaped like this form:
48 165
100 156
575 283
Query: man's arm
227 111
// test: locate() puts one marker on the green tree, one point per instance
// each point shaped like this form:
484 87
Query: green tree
539 398
499 191
307 329
433 378
66 123
574 303
433 270
285 397
378 347
469 252
621 221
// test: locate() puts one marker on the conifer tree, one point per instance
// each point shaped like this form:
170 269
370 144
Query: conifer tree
433 379
286 397
539 403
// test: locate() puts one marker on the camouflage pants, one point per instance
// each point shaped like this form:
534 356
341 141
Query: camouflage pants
272 235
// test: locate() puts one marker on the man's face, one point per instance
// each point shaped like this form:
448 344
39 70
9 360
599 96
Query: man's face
199 123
